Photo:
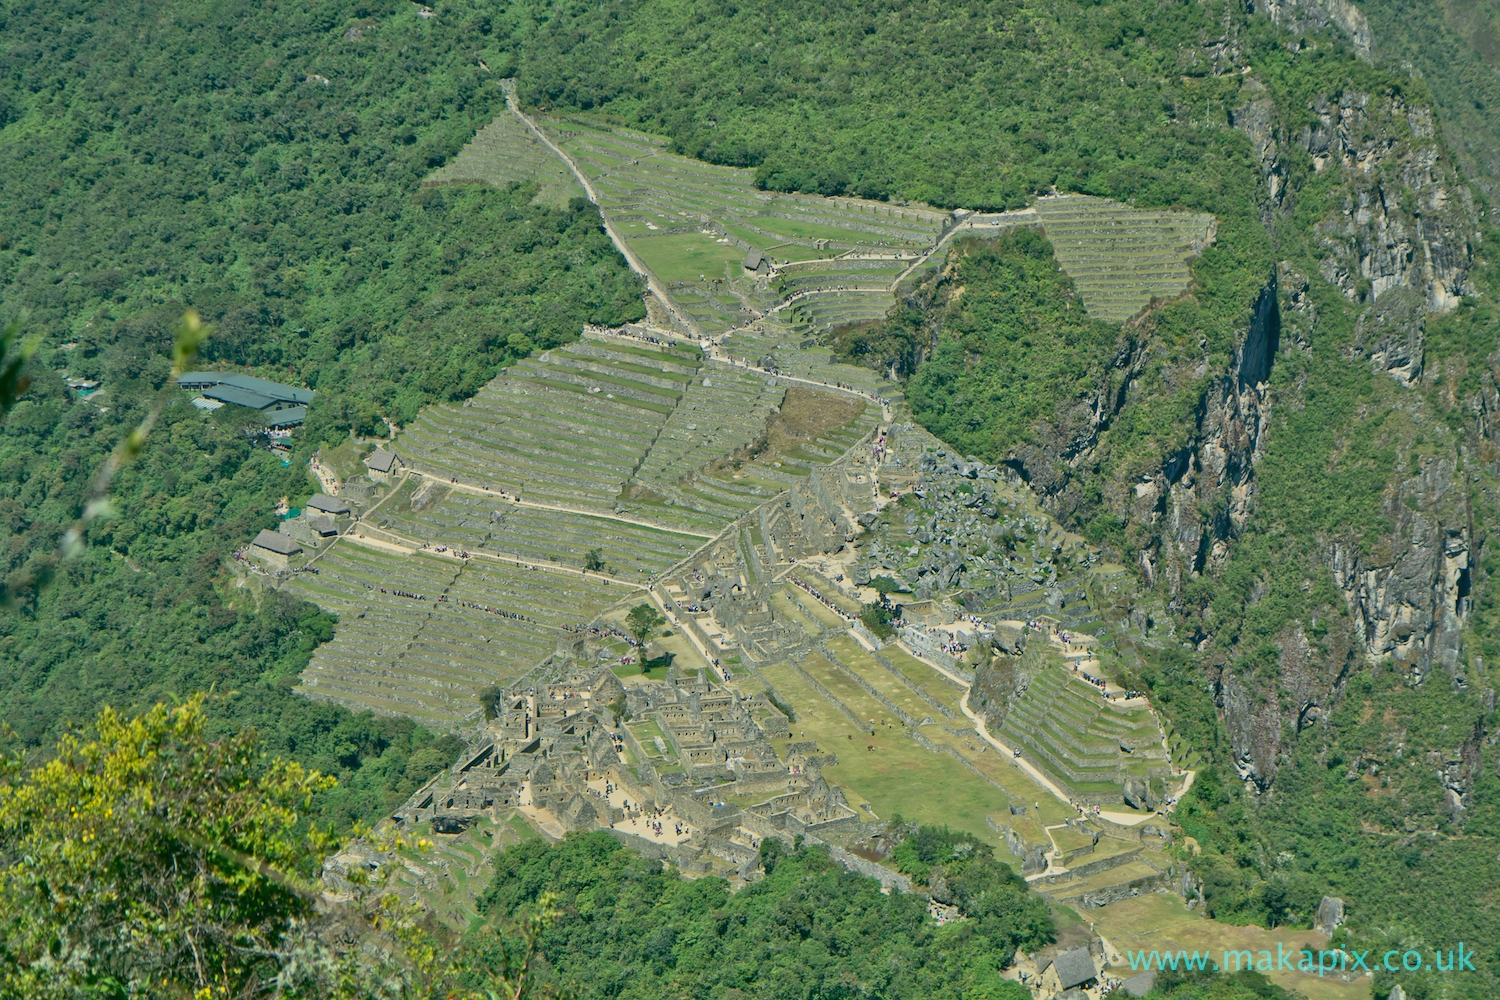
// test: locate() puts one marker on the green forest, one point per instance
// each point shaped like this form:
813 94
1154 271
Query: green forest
262 165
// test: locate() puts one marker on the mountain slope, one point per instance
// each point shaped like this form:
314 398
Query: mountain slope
1298 458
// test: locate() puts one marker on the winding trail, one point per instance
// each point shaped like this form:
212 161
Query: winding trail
997 221
636 264
410 546
515 502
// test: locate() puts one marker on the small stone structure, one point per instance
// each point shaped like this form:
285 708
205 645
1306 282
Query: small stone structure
384 465
274 549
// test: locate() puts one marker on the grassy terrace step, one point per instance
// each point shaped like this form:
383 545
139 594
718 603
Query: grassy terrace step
1121 257
858 661
855 698
505 152
426 658
467 520
629 374
923 677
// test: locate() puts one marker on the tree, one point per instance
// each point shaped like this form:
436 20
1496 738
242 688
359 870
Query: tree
151 856
593 562
877 617
14 354
644 619
151 860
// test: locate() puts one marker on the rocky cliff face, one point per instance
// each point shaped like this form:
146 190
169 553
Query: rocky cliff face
1313 15
1402 240
1401 245
1398 241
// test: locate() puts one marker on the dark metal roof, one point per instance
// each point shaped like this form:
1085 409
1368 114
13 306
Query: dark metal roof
276 542
381 460
328 504
289 417
274 390
1074 968
239 396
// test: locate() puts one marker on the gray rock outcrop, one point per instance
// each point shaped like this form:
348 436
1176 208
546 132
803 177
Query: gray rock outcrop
1330 915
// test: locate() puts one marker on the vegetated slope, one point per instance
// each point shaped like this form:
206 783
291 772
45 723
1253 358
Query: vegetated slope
1013 331
810 928
142 615
1297 458
505 152
968 104
1455 45
262 164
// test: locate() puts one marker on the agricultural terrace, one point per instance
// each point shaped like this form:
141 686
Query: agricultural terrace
1078 739
468 521
813 427
796 353
722 412
818 312
569 426
692 223
419 634
505 152
1121 257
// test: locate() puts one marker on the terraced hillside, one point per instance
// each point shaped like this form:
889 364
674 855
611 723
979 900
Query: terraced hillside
716 483
420 634
693 223
568 427
793 350
1080 740
470 521
505 152
1121 257
612 449
721 413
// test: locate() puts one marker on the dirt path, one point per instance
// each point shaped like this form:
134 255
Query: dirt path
507 498
619 241
409 546
998 222
885 408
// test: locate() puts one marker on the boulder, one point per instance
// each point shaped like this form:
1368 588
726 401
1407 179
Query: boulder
1329 916
1137 794
937 888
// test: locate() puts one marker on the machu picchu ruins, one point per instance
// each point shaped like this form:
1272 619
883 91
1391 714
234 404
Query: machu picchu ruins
858 628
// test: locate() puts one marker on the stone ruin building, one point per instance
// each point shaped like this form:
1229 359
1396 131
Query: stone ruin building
548 740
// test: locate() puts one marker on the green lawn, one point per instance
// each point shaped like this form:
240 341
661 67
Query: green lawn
684 256
898 776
